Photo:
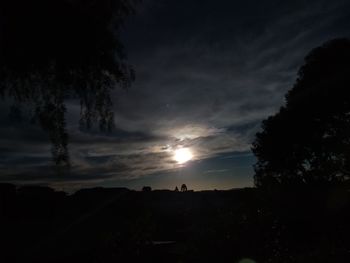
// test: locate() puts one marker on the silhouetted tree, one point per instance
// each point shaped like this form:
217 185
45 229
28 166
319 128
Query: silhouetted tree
183 188
146 189
176 189
54 50
308 140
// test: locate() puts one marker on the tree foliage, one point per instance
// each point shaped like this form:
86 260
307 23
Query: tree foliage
308 140
54 50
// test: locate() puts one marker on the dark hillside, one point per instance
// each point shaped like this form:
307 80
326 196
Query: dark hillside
108 225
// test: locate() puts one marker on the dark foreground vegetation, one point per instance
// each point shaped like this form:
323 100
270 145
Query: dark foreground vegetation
39 224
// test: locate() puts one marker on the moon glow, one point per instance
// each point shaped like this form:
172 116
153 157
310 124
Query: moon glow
182 155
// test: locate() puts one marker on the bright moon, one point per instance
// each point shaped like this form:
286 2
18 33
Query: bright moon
183 155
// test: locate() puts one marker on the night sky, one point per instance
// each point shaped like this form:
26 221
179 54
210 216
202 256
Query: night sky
207 74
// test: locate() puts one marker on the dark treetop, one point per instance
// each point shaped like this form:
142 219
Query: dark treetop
308 140
54 50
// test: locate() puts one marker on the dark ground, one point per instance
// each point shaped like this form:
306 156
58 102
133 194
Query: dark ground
119 225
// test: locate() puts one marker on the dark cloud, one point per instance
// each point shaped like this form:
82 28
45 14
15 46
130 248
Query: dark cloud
208 72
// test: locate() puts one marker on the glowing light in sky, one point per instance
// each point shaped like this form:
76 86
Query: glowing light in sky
183 155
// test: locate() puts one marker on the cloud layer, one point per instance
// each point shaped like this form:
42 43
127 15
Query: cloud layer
207 74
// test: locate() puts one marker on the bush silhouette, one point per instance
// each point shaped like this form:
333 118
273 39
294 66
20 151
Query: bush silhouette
146 189
308 140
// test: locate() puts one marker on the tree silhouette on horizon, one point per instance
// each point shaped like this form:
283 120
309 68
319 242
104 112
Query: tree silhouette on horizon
51 51
308 140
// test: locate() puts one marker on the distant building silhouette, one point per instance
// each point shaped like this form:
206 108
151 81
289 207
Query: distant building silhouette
146 189
183 188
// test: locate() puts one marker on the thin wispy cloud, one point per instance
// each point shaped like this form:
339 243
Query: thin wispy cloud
207 75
